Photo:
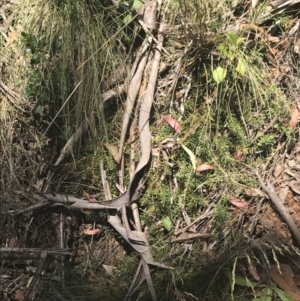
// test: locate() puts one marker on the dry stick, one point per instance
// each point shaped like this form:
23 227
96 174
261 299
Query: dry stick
66 150
206 214
70 143
270 190
134 206
135 211
29 295
10 95
30 208
121 174
112 94
105 184
132 93
30 250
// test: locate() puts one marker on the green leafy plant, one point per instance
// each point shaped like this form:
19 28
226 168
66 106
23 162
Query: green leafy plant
265 293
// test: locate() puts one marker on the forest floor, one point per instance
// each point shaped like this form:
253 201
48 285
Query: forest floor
150 152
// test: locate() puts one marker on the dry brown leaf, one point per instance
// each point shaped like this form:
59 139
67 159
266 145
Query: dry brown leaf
11 37
253 191
295 114
273 51
285 68
174 124
285 281
278 170
89 197
149 15
204 167
240 203
295 186
267 223
113 150
253 271
91 231
238 155
18 294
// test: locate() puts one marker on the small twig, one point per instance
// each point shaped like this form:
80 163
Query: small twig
135 280
105 184
149 32
134 206
131 98
270 190
121 173
30 208
207 213
72 140
61 230
28 295
30 250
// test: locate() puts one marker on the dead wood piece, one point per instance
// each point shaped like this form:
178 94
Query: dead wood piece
189 237
74 202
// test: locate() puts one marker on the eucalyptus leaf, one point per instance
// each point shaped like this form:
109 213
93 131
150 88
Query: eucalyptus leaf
137 4
167 223
245 282
219 74
127 19
192 156
232 38
241 66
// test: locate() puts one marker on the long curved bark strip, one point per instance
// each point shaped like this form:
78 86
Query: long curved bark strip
130 101
145 139
140 242
144 128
